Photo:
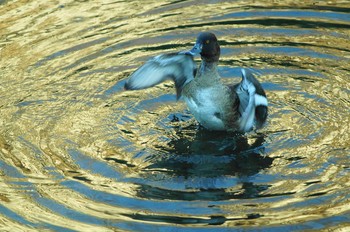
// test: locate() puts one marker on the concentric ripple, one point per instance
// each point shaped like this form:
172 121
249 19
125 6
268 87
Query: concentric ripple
78 153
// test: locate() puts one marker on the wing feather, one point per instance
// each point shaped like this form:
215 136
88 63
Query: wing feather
177 67
253 101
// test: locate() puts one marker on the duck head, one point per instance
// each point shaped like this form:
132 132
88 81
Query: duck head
207 46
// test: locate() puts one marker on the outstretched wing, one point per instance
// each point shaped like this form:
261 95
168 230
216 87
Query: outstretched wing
252 101
178 67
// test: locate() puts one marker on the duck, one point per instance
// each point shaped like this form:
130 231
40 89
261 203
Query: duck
239 107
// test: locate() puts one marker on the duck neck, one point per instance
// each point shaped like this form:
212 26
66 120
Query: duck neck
207 67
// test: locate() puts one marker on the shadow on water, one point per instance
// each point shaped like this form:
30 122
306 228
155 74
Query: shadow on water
212 220
206 163
204 166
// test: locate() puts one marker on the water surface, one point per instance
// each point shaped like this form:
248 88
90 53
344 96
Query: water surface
78 153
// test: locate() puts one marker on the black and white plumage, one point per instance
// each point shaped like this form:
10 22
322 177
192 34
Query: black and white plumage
215 106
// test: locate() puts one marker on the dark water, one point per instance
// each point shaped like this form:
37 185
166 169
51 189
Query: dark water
78 153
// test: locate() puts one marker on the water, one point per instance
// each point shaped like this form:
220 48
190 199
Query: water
78 153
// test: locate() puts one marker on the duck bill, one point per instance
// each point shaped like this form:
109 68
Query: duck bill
197 48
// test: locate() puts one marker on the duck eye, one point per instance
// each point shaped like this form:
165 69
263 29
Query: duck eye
207 41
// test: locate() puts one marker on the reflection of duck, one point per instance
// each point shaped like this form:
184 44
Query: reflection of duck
206 165
214 105
214 154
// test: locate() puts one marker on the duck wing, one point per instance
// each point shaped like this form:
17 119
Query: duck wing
179 67
252 101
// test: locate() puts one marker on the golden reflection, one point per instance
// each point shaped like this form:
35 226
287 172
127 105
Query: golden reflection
67 126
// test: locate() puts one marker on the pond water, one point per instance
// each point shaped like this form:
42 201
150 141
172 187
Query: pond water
78 153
